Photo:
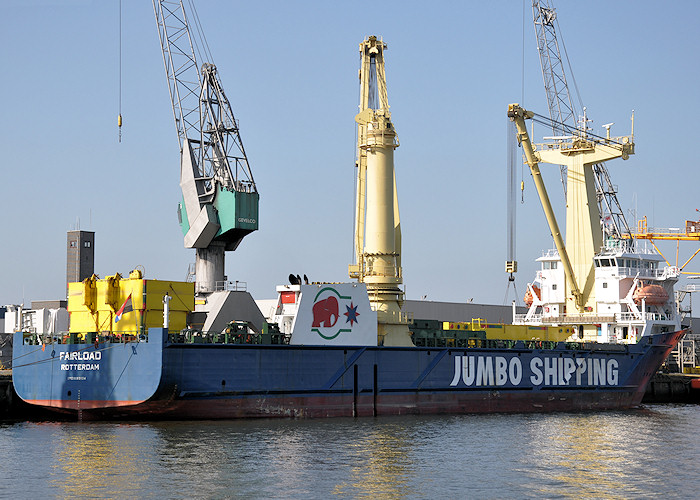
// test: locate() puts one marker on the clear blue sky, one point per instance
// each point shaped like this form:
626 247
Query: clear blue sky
290 71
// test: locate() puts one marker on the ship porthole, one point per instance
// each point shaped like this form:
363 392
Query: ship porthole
223 382
69 393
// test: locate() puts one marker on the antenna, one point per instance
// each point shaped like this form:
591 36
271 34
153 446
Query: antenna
607 129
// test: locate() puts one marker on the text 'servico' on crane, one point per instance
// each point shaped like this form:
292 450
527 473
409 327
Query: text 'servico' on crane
377 226
219 204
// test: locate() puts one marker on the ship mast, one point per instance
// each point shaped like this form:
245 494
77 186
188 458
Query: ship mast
377 225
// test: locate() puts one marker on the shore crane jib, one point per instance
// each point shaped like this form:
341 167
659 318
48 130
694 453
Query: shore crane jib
219 204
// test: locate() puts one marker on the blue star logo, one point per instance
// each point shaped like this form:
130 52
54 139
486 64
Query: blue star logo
351 314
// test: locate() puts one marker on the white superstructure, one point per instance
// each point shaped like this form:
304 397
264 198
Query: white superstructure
633 296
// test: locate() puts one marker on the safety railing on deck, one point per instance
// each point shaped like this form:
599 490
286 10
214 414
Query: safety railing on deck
223 286
626 317
631 317
191 336
83 338
476 343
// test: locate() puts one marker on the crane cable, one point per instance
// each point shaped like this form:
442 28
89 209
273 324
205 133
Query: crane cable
119 119
199 39
522 99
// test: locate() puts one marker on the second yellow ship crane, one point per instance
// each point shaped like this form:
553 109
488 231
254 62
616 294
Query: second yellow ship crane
377 225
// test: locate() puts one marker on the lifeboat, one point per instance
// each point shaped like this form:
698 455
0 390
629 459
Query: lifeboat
528 295
653 295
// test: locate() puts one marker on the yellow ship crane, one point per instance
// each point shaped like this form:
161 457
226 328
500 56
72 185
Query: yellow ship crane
584 235
377 225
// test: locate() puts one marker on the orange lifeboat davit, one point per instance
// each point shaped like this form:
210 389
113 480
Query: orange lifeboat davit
653 295
528 295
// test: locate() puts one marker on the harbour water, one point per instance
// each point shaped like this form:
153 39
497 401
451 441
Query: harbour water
643 453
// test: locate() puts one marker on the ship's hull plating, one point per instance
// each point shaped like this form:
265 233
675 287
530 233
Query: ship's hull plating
157 379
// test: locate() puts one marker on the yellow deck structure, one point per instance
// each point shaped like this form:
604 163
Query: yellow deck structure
93 304
513 332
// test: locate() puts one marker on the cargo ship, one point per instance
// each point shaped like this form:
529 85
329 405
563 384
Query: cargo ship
329 366
140 348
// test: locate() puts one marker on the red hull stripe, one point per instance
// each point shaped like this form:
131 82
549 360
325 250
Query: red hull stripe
82 405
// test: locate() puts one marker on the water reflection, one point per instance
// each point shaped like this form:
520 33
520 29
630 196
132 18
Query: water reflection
382 465
101 460
602 455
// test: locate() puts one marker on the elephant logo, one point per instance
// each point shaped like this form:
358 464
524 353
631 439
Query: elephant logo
326 312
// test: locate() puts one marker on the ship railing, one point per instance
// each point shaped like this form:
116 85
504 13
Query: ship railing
634 272
628 317
463 342
566 319
222 286
576 319
231 286
522 318
550 253
613 245
228 336
374 268
84 338
658 317
481 343
613 248
395 317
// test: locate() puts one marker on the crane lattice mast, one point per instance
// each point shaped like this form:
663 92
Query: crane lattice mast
563 115
220 198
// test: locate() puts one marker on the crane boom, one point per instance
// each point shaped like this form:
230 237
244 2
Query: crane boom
219 197
180 66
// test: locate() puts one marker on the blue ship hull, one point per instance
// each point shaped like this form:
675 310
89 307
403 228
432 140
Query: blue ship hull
158 379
